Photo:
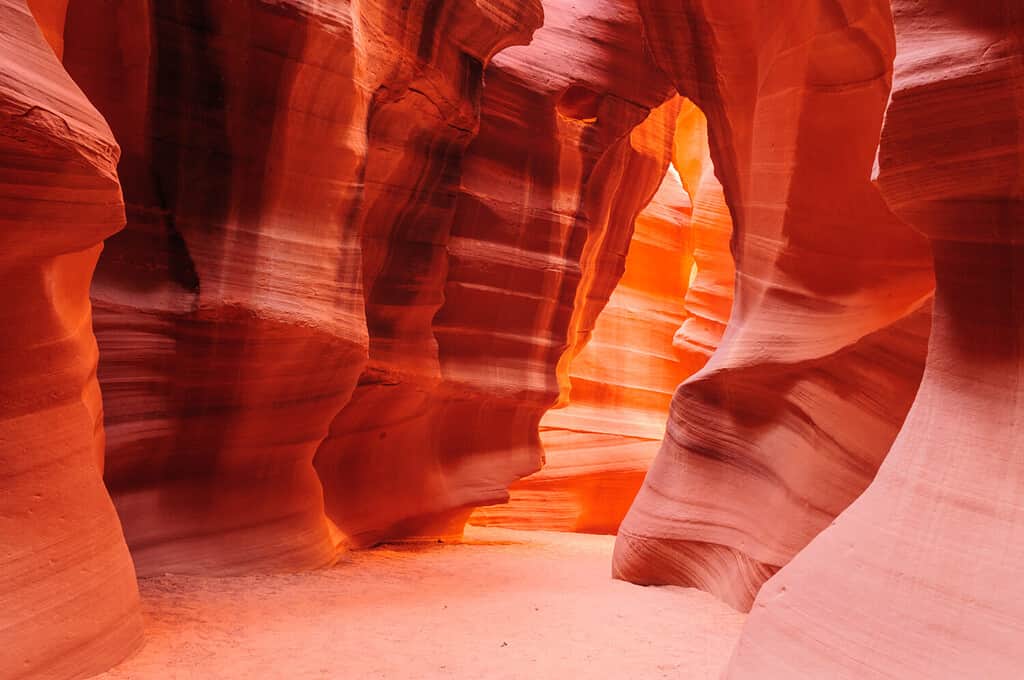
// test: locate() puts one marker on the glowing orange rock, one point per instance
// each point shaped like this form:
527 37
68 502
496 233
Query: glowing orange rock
709 295
791 417
523 251
68 601
920 577
598 446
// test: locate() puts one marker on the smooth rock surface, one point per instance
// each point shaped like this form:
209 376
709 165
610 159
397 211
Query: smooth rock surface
527 250
269 147
823 353
68 601
920 577
660 325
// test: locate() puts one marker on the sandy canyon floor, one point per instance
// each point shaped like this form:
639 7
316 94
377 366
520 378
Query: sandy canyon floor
502 604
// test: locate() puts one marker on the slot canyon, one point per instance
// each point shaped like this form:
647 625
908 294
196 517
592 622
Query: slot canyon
511 339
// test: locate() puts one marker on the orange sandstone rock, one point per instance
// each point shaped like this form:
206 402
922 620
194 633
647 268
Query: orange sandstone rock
269 147
229 312
710 291
68 600
521 254
598 446
790 419
920 577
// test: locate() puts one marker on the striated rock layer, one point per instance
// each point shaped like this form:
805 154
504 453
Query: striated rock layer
790 419
470 318
710 291
68 600
655 331
920 577
269 147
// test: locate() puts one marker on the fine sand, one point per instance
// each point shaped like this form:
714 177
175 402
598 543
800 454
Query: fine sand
503 604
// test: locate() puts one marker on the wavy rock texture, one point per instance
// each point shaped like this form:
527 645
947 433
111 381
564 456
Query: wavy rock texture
258 137
68 602
920 577
710 292
655 331
790 419
470 320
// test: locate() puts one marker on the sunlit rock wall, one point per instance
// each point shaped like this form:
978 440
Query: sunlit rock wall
260 141
655 331
530 248
920 577
823 353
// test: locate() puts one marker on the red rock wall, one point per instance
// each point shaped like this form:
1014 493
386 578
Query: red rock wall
790 419
68 602
307 191
526 252
271 149
709 294
653 333
368 246
920 577
229 312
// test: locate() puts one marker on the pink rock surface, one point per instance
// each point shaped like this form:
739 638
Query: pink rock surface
228 312
920 577
68 601
790 419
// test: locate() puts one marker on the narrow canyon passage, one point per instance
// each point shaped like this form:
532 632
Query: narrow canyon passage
501 605
660 325
511 339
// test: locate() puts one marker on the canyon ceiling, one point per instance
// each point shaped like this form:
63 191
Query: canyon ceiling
289 277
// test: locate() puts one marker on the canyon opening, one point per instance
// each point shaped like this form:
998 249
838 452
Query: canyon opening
511 339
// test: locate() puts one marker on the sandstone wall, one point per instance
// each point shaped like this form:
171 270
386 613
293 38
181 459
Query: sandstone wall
795 411
919 578
68 601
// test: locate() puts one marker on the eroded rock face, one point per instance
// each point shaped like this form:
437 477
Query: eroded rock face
709 294
920 577
790 419
525 247
270 148
229 312
655 331
68 601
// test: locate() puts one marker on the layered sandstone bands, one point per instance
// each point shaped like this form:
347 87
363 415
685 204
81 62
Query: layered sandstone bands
598 446
272 154
529 243
340 253
68 601
660 325
919 578
790 419
368 246
228 312
709 292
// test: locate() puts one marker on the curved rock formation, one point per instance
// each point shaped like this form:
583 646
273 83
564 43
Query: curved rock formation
920 577
516 264
599 446
229 312
258 136
790 419
710 292
68 601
